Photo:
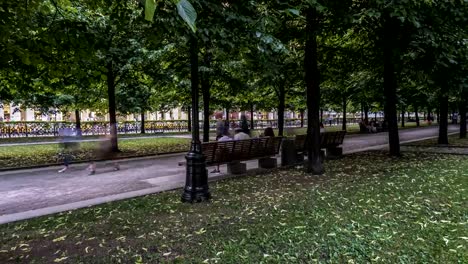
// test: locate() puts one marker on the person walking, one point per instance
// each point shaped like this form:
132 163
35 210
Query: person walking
104 152
66 147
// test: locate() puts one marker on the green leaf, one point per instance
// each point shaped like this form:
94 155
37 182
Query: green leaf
294 11
150 8
188 13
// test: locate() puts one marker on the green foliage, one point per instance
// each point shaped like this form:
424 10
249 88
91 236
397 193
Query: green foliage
64 54
184 8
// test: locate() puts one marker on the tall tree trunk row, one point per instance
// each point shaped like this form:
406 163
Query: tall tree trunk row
402 117
78 121
343 126
252 124
142 128
417 115
112 107
390 86
463 107
312 79
189 117
443 120
281 108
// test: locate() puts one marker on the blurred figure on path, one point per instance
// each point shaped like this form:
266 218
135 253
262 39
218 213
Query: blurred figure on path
67 146
104 152
219 128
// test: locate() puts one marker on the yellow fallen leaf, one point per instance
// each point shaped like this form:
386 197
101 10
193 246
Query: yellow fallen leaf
60 259
62 238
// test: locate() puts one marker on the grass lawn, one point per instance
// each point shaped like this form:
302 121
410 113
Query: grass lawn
49 139
367 208
33 155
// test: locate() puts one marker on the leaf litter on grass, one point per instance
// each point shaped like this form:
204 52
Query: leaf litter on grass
368 207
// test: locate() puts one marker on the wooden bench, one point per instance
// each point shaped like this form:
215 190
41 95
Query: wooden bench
234 151
328 140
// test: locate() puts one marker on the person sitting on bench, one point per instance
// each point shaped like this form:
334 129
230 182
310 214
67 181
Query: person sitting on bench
269 132
224 137
240 135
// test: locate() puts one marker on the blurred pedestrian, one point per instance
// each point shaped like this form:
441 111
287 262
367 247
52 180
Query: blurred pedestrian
104 152
67 146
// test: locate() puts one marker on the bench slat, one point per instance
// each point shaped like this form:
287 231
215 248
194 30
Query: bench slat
327 140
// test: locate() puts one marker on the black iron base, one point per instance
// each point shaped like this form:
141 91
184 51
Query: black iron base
196 184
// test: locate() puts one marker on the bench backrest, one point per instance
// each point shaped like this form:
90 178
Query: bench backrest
300 142
238 150
332 139
327 139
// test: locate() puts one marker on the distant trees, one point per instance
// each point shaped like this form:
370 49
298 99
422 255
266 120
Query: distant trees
297 55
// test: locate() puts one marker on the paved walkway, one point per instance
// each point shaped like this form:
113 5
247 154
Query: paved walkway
31 193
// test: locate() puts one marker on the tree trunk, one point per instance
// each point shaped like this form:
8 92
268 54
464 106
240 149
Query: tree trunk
390 87
142 128
189 115
362 111
443 120
281 107
205 85
343 126
227 115
252 125
402 117
416 115
366 113
429 114
438 115
302 118
78 122
463 106
312 79
112 107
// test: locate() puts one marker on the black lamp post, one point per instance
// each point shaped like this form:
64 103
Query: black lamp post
196 181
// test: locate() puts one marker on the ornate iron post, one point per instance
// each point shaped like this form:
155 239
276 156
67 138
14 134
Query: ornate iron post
196 182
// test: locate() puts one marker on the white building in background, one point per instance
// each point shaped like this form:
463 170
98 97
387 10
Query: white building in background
12 112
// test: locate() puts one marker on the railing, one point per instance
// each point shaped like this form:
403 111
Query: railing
51 129
352 120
